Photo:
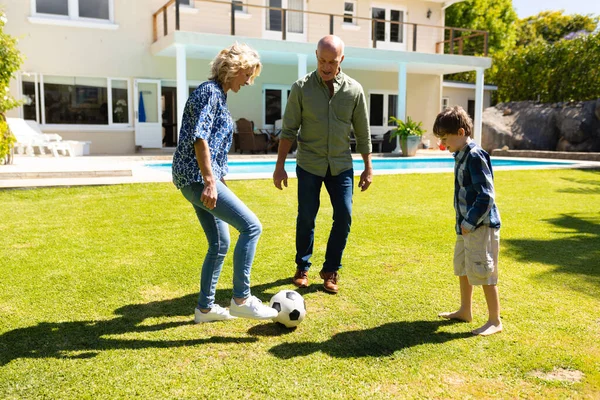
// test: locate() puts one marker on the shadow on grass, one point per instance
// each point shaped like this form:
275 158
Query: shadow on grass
577 252
86 339
380 341
588 186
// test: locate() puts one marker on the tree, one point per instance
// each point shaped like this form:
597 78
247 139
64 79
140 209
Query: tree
497 17
552 26
10 62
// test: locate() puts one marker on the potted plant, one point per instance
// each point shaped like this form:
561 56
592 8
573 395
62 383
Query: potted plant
409 132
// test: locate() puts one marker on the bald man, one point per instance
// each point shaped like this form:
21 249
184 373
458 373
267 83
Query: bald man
322 109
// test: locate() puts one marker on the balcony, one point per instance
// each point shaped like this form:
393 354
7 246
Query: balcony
284 24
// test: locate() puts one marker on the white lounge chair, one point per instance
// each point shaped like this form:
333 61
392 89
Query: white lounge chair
77 148
28 139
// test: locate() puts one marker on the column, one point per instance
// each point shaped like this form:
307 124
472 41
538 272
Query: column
477 124
401 110
182 87
302 65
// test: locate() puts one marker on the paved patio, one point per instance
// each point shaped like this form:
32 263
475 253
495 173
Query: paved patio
48 171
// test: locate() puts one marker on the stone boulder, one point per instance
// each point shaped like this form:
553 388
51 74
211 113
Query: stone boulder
528 125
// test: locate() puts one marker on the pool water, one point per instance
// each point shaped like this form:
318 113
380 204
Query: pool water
379 164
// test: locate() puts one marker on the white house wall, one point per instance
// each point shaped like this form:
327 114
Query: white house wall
124 52
461 97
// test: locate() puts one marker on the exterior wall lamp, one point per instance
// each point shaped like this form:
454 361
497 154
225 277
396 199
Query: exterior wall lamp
428 13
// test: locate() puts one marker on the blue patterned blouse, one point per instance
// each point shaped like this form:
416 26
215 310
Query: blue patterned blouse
205 117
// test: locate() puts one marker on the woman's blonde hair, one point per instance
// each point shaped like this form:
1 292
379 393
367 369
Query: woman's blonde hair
231 60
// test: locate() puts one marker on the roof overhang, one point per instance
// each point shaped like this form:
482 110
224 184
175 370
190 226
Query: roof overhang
207 45
466 85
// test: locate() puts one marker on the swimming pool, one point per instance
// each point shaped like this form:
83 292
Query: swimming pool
264 168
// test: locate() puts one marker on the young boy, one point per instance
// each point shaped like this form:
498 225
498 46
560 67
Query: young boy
477 218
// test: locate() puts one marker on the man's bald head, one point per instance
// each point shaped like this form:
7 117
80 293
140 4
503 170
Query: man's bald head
330 54
331 43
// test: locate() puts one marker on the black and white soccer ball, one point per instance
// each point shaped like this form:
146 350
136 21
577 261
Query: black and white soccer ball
290 306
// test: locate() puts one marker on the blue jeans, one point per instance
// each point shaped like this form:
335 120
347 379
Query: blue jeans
230 210
340 189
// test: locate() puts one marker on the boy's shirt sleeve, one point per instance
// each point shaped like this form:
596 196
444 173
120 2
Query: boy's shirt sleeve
482 181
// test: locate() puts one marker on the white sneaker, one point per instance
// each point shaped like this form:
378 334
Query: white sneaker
216 313
253 308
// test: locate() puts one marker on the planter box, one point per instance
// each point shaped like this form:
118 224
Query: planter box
409 145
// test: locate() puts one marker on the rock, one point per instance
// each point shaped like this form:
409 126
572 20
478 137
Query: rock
526 125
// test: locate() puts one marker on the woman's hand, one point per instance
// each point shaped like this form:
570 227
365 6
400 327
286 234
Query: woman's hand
209 194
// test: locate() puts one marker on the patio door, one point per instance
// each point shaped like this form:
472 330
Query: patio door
274 103
148 119
389 36
295 20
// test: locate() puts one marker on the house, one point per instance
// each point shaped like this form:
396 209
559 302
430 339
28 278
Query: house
118 72
463 94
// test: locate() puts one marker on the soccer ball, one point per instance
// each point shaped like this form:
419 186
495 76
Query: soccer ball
290 306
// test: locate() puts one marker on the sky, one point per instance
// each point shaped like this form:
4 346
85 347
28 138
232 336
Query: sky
527 8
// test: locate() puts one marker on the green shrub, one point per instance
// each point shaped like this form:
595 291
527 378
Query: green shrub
10 62
566 70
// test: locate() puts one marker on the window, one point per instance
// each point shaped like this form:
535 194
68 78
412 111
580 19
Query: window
120 108
382 106
238 6
275 100
76 9
376 111
93 9
185 3
471 109
77 100
349 12
55 7
445 103
30 90
82 101
295 15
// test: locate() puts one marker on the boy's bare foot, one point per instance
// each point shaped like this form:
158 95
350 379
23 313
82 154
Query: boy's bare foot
457 315
489 328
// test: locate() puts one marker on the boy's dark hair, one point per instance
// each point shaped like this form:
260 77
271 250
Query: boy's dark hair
449 121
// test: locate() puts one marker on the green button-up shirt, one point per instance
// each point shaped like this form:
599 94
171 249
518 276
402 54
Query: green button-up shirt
322 124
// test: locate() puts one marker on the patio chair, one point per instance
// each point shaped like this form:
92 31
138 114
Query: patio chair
28 139
74 147
248 140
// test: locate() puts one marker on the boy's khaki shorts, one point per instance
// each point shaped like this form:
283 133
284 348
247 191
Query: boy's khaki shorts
476 256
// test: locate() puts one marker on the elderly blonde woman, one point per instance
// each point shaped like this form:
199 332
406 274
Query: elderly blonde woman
199 168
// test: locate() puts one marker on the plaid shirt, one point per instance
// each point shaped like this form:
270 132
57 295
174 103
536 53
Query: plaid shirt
474 189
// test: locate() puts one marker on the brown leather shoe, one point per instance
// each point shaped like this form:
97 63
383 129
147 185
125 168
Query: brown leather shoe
330 281
301 278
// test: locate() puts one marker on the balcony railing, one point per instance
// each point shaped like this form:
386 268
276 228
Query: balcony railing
221 17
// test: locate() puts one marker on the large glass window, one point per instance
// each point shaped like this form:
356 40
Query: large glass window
79 101
76 100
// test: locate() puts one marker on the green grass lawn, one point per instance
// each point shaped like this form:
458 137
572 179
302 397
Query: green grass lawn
98 287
